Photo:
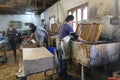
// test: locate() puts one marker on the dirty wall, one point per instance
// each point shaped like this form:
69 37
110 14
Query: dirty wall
98 11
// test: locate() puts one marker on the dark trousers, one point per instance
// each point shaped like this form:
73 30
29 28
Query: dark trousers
46 41
14 47
62 62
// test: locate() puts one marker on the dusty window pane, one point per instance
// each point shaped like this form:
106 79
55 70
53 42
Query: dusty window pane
85 10
69 13
79 14
52 21
74 14
74 26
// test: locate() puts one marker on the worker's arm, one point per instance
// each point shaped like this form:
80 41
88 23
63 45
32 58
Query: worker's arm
77 37
31 36
40 28
46 32
82 40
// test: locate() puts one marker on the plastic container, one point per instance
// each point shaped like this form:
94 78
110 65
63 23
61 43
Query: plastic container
52 49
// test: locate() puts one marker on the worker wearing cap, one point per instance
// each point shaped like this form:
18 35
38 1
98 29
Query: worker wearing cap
12 38
65 30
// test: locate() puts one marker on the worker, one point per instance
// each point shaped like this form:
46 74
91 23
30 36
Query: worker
33 30
12 38
46 31
65 30
43 24
42 36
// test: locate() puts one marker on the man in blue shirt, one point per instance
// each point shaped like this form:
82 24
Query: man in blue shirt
65 30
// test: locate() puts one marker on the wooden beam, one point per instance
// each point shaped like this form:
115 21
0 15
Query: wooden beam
35 4
44 2
5 6
38 0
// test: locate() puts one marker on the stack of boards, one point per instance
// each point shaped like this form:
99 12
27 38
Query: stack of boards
37 60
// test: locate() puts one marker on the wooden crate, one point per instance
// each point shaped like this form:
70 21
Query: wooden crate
95 55
89 31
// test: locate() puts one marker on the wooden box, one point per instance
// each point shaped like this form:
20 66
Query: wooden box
95 55
89 31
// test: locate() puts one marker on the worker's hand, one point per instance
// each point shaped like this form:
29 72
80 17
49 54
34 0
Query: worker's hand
28 39
47 34
82 40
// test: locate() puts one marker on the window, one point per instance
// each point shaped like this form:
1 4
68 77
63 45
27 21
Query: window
17 24
85 13
53 26
80 13
52 20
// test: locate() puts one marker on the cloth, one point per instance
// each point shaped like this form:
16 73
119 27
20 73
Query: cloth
65 31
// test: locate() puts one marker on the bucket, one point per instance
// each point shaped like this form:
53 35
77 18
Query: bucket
52 49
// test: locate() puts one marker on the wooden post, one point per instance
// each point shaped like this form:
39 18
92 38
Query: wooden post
82 72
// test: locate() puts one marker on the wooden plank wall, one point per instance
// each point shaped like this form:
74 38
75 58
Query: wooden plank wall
54 28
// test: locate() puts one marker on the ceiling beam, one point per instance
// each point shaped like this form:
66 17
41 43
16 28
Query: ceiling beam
35 4
5 6
44 5
38 0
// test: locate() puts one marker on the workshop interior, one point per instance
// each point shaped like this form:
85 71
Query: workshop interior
59 39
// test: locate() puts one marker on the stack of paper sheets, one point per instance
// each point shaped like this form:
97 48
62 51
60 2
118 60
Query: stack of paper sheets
37 60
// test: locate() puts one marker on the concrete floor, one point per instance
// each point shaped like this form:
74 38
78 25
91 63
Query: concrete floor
8 70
